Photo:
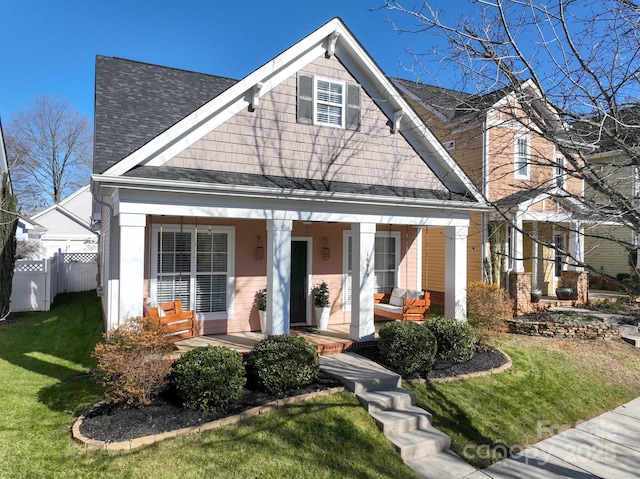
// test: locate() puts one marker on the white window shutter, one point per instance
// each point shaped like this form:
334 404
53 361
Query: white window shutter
352 120
305 98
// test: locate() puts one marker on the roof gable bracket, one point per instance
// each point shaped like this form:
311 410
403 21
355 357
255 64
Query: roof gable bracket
397 117
331 44
255 96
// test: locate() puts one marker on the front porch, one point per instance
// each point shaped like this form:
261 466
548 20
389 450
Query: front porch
333 340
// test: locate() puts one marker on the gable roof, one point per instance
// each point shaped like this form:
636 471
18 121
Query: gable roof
60 208
333 38
150 97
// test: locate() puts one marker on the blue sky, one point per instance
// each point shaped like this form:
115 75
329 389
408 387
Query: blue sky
49 47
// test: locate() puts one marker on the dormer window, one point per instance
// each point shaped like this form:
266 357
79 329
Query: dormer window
328 102
521 161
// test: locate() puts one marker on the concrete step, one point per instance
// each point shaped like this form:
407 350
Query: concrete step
444 465
630 334
359 374
385 399
420 443
398 421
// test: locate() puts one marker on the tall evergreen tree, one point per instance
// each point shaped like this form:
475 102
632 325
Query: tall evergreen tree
8 224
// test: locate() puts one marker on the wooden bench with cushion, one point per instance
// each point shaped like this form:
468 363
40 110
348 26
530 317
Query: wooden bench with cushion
402 304
179 324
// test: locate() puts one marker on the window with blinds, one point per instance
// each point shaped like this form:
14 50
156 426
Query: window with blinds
327 102
386 262
522 158
194 267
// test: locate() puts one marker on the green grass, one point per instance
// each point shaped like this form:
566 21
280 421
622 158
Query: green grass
552 385
44 358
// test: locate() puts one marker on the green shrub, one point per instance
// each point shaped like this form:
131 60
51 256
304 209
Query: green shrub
407 347
133 361
456 339
284 363
209 378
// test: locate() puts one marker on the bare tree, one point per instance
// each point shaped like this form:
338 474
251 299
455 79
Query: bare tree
49 148
582 58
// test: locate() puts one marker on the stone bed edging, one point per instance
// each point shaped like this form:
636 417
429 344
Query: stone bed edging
93 444
593 331
477 374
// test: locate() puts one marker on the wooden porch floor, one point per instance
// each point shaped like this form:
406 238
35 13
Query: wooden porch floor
333 340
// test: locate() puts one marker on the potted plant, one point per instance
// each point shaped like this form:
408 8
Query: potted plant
536 294
564 293
261 300
321 303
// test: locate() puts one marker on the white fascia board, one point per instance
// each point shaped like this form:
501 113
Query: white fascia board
228 103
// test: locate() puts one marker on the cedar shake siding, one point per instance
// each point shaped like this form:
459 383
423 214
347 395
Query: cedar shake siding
269 141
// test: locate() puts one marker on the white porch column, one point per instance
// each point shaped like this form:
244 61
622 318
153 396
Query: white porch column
278 275
576 246
362 286
455 275
518 248
131 264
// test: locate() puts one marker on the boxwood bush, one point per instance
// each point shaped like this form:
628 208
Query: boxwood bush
407 347
456 339
284 363
209 378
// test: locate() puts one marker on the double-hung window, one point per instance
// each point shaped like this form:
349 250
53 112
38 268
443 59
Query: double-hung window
385 266
522 155
194 266
560 174
323 101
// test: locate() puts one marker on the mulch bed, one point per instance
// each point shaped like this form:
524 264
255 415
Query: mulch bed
119 422
485 359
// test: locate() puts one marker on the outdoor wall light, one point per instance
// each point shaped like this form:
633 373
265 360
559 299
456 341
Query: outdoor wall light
259 249
326 252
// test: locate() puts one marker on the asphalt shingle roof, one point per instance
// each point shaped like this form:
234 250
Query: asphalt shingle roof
290 183
135 102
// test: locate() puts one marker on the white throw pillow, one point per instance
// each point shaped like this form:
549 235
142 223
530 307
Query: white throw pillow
397 296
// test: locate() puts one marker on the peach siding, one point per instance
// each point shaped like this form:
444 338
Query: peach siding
251 275
269 141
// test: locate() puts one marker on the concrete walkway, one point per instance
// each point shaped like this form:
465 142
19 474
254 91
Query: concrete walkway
607 446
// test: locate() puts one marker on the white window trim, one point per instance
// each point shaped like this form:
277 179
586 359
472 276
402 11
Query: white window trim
346 305
153 267
343 106
517 171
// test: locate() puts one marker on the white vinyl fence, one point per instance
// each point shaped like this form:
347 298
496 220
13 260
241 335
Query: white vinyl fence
36 283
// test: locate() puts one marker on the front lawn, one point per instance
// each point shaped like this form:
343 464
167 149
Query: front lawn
44 386
552 384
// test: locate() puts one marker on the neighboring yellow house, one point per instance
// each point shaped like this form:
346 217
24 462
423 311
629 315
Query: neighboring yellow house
521 174
610 247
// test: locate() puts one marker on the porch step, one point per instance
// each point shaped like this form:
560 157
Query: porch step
385 399
399 421
420 443
359 374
